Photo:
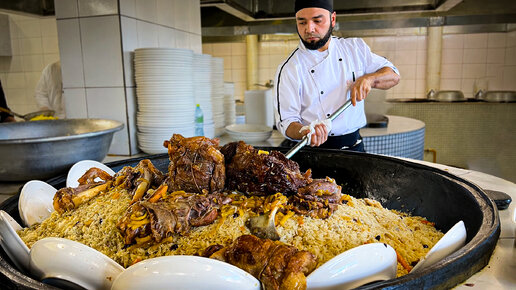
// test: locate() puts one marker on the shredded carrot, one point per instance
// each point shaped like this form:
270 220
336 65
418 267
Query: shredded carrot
136 261
402 261
428 223
160 192
115 195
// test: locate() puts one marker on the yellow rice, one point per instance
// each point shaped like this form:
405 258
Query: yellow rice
358 222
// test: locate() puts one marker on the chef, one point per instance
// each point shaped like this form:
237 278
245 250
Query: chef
320 75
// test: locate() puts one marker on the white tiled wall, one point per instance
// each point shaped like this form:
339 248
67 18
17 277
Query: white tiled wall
469 61
34 45
98 42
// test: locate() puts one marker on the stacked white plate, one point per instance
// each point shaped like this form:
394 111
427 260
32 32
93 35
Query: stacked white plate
217 94
229 104
249 132
202 90
164 87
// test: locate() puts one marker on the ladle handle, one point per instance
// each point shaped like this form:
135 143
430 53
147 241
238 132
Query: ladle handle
304 141
10 112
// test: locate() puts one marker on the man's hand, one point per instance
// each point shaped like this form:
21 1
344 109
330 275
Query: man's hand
384 78
319 136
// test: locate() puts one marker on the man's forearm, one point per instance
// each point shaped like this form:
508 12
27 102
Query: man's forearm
384 78
293 131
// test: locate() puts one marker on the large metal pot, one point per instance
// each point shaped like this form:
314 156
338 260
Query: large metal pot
397 184
43 149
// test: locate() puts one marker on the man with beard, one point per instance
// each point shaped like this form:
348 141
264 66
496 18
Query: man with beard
320 75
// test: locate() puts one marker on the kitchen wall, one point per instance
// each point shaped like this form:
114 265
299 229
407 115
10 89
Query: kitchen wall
480 60
34 45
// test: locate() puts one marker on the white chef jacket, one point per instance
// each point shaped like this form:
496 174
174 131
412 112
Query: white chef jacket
49 90
310 86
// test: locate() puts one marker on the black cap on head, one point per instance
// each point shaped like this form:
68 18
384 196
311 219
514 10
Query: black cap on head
325 4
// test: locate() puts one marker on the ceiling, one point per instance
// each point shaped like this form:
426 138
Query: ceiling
240 17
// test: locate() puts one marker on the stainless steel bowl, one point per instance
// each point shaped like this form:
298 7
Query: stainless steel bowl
42 149
500 96
449 96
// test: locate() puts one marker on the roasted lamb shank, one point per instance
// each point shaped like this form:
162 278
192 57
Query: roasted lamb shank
196 165
257 172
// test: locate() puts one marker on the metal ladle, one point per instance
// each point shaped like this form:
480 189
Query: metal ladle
29 116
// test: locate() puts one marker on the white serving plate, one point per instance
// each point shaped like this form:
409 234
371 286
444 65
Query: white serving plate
63 259
185 272
79 168
12 244
249 132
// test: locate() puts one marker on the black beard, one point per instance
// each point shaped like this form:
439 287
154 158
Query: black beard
315 45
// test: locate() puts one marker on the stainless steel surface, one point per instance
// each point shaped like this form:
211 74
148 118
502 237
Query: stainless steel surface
304 141
499 96
449 96
42 149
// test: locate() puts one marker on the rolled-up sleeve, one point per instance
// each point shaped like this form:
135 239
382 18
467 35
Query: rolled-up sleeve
287 98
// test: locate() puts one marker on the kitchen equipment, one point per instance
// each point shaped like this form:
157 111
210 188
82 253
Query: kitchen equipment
304 141
29 116
499 96
409 187
501 199
449 96
16 249
376 121
39 150
259 107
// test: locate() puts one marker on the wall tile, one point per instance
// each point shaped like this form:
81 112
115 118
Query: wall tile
420 89
97 7
48 27
147 34
238 62
496 83
166 37
14 97
29 28
509 77
102 51
263 61
227 76
473 70
15 64
495 70
421 56
238 48
129 44
384 43
165 13
450 84
182 39
14 81
453 41
408 71
195 42
238 75
467 86
421 43
127 8
33 63
221 49
30 46
279 47
405 57
75 103
263 48
110 103
475 55
388 54
511 39
66 8
49 45
406 43
476 40
452 55
406 86
194 17
495 55
146 10
207 48
130 95
510 56
420 72
496 40
70 53
32 79
369 41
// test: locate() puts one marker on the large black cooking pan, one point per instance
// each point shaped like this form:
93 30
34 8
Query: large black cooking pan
420 190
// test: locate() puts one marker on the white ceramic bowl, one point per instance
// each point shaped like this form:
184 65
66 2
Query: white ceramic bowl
79 168
355 267
57 258
453 240
249 132
36 202
185 272
12 243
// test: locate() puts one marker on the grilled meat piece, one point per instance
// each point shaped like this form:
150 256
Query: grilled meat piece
276 265
139 179
176 213
196 165
69 198
318 199
258 172
93 173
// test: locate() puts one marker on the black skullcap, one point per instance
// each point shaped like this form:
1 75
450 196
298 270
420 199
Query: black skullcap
325 4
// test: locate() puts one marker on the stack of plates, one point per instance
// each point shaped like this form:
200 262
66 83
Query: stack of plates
229 104
202 90
249 132
217 94
164 87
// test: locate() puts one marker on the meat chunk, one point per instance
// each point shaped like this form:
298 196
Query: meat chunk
276 265
318 199
69 198
139 179
176 213
196 165
258 172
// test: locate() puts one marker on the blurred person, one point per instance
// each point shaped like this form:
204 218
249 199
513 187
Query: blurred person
49 90
320 75
4 117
